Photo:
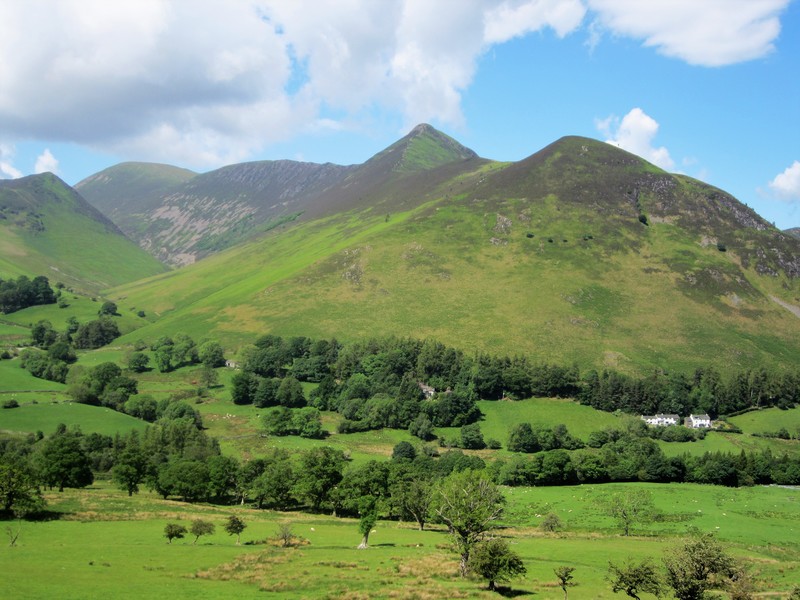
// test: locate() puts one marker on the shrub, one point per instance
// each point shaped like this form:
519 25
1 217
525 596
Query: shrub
10 404
552 523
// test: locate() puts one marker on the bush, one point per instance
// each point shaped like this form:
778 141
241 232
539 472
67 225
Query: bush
552 523
10 404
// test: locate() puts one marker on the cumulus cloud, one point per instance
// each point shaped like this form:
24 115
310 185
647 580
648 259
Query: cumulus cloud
711 33
786 185
203 82
635 133
7 170
46 162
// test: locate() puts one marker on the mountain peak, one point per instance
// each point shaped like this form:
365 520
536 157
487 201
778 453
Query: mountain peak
423 148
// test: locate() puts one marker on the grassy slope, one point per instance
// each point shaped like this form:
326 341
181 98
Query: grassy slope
83 308
74 250
434 273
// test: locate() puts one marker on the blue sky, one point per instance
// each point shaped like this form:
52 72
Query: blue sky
710 88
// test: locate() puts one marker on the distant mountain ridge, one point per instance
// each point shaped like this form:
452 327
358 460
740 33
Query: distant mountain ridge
179 216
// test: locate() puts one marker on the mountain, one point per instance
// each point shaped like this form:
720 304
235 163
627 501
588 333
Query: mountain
181 217
47 228
579 253
794 231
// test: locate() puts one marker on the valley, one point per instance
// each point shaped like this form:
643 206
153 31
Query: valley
396 321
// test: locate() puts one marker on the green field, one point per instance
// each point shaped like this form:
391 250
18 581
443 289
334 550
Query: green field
46 416
108 545
769 420
502 415
14 378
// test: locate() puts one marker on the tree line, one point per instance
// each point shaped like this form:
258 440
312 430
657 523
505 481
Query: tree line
376 383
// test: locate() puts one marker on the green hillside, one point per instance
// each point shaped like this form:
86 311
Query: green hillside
46 228
581 253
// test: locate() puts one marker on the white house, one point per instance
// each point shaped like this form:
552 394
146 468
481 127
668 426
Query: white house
427 390
661 420
698 421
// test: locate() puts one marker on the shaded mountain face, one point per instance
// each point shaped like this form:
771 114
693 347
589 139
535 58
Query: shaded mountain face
579 253
180 217
47 228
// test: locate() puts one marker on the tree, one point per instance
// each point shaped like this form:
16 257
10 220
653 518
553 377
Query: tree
211 354
19 490
138 362
200 527
495 561
320 472
64 463
222 472
404 451
469 504
184 477
131 465
471 437
208 376
97 333
631 507
290 393
564 575
421 427
698 565
164 359
369 516
635 578
235 526
273 486
174 531
414 497
43 334
107 308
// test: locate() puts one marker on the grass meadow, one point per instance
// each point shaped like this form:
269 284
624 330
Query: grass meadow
105 544
45 417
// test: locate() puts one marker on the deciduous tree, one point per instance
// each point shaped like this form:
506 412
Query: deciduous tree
630 507
469 504
200 527
495 561
174 531
698 565
235 526
564 575
635 578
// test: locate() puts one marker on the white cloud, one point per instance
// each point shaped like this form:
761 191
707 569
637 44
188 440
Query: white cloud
202 82
710 33
635 133
7 170
786 185
515 19
46 162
